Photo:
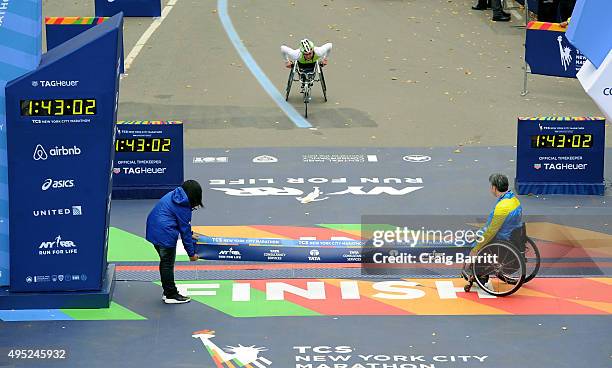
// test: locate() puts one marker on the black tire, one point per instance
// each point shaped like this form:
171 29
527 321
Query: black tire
306 99
289 83
531 256
323 86
532 260
493 277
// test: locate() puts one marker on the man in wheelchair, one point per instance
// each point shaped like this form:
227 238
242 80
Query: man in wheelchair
504 222
306 57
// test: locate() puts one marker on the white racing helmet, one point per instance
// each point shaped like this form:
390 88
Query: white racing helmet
306 46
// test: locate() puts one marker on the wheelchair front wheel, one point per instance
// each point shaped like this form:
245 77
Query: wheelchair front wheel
499 269
289 83
323 86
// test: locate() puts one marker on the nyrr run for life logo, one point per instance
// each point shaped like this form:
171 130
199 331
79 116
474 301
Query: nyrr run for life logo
232 356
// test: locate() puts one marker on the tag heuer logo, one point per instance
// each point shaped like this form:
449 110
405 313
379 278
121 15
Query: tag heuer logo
265 159
116 170
537 166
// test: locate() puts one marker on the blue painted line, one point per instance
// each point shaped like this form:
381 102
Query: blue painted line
34 315
248 60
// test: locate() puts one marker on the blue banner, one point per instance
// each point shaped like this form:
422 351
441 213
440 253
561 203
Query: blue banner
310 251
61 130
60 32
20 52
130 8
560 155
314 254
548 52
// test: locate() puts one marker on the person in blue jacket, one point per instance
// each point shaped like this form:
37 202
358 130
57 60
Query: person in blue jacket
169 219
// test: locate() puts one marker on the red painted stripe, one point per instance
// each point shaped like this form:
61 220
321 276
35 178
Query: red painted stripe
573 289
557 250
545 26
333 305
100 20
59 20
295 232
522 304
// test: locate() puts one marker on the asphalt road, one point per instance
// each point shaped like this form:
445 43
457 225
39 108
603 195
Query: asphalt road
402 74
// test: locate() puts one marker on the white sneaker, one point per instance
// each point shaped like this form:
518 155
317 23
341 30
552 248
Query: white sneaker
177 299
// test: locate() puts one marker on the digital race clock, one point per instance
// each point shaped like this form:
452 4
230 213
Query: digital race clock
148 158
59 107
143 145
560 155
562 141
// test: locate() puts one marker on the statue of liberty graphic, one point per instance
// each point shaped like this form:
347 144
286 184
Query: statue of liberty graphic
233 356
565 53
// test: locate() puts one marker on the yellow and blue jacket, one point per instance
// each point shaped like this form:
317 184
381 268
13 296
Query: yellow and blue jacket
505 217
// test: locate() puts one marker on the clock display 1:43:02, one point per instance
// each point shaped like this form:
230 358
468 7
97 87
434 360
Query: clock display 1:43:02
143 145
562 141
59 107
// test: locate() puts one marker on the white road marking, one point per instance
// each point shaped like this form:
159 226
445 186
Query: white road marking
147 34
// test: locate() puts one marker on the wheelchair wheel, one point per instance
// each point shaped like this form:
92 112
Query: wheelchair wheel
306 99
531 256
323 86
532 260
499 269
289 82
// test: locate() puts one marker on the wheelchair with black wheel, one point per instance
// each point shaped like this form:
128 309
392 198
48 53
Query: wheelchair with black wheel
307 74
502 267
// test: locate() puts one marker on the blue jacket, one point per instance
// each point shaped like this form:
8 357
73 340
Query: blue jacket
170 218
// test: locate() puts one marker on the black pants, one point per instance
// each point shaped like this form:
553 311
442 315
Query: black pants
555 10
167 257
566 7
495 5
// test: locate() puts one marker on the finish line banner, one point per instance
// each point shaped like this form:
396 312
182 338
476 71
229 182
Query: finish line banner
312 251
548 51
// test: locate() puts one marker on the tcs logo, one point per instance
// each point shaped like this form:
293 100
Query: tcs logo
607 91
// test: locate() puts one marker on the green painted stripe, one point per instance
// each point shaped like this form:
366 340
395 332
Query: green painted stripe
124 246
115 312
258 306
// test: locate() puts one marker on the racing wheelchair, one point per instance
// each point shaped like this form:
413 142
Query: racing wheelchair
307 75
506 265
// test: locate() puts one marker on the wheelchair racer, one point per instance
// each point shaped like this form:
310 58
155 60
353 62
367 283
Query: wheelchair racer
306 56
503 220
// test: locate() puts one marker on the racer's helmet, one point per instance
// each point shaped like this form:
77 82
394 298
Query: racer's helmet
306 46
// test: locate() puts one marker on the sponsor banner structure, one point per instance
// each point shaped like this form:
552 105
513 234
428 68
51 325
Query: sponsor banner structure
130 8
20 52
148 159
61 29
548 51
560 155
61 130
